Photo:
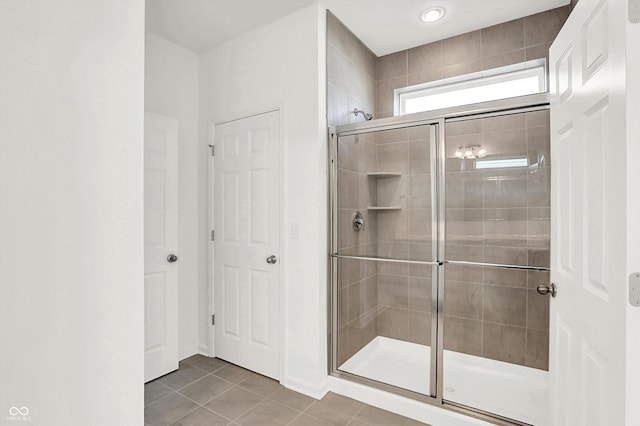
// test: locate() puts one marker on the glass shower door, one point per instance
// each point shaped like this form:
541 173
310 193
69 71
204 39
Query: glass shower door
496 336
383 257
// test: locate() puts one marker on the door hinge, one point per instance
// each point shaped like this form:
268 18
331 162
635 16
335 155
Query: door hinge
213 319
634 11
213 235
213 150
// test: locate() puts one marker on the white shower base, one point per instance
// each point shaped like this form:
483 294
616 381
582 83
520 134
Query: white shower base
509 390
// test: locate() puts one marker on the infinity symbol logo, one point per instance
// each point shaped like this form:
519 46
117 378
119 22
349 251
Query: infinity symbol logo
14 411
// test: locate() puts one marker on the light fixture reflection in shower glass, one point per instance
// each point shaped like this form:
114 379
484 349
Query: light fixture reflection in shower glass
471 151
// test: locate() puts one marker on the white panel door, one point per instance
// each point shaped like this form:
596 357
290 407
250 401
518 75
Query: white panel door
160 241
247 247
588 137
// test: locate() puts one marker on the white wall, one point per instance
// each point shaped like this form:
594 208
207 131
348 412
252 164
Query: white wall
171 88
71 211
633 212
281 65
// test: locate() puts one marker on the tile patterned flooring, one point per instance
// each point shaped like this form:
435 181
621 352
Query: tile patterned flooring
212 392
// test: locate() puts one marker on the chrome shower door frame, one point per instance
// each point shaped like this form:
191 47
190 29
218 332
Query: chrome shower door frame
436 120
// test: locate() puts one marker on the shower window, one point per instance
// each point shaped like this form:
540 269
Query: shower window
500 83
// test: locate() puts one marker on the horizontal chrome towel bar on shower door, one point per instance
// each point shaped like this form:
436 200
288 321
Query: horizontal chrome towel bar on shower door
384 259
497 265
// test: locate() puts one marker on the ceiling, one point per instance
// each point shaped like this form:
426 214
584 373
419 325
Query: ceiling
385 26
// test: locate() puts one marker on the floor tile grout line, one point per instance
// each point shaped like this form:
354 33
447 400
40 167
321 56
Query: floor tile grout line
214 412
362 405
288 406
247 410
156 400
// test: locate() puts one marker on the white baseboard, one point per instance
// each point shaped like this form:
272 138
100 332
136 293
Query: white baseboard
317 391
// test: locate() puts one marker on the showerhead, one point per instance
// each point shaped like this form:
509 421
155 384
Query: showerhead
367 116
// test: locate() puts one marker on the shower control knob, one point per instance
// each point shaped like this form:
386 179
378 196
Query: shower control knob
358 222
544 289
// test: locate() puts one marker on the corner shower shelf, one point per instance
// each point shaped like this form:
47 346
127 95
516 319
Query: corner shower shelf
383 174
388 208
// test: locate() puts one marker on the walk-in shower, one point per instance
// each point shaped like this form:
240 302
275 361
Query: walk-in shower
440 240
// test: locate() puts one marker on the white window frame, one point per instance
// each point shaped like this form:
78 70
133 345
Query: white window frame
471 83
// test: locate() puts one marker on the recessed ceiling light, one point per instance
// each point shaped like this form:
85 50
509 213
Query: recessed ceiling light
432 14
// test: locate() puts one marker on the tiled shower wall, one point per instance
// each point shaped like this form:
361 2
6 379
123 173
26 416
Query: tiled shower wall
351 74
512 42
351 70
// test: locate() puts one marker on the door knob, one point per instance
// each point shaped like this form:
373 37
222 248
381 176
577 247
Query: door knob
272 259
172 258
544 289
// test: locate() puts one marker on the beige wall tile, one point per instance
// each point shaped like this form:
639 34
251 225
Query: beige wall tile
393 290
384 93
466 127
463 300
393 157
455 70
506 255
464 48
393 249
505 277
356 299
505 305
343 307
537 311
464 226
504 122
543 27
420 327
425 76
420 294
463 335
505 188
539 145
425 57
465 253
539 51
503 38
356 336
539 188
472 274
466 189
505 227
420 156
420 251
538 118
504 343
537 354
503 59
393 65
394 323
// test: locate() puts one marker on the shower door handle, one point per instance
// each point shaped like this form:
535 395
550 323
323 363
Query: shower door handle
272 259
544 289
